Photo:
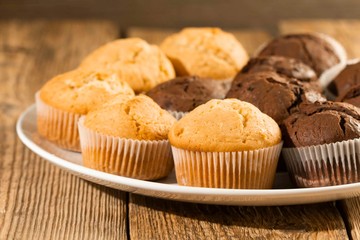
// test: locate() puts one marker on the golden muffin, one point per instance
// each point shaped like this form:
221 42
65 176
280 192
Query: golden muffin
127 136
140 64
226 144
66 97
205 52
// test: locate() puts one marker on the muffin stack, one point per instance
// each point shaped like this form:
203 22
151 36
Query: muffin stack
121 105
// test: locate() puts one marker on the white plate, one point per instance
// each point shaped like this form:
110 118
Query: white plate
168 189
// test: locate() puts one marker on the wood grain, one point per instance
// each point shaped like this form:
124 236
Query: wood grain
251 39
151 218
345 31
37 199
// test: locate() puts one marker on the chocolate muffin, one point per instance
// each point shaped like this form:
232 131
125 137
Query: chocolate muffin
183 94
274 94
351 96
289 67
348 77
321 123
322 144
312 49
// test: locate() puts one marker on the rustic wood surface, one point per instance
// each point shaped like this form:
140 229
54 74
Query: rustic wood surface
346 32
40 201
37 199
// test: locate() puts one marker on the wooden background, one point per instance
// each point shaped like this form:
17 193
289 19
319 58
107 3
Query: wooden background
180 13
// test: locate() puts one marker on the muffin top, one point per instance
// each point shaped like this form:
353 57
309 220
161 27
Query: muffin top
289 67
347 78
129 117
225 126
275 95
352 96
79 91
321 123
311 49
205 52
135 61
183 94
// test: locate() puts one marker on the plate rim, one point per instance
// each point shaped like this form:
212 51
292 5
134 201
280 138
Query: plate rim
172 188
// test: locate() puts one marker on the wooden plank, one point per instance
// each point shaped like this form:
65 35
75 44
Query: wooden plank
37 199
164 13
151 218
251 39
345 31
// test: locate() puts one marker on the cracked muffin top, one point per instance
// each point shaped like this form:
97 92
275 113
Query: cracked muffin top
140 64
79 91
130 117
274 94
289 67
205 52
347 78
352 96
321 123
225 126
312 49
183 94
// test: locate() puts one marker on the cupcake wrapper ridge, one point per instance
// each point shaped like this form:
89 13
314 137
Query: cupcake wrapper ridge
324 165
58 126
253 169
140 159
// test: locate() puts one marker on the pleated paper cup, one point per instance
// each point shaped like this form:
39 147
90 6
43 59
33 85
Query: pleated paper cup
177 115
253 169
324 165
140 159
57 126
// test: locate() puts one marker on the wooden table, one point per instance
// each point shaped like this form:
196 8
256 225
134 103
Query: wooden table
40 201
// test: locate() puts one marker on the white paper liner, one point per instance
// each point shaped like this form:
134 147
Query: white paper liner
57 126
238 170
324 165
140 159
178 115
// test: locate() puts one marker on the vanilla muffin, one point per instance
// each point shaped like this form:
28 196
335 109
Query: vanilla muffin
66 97
205 52
141 65
226 144
127 136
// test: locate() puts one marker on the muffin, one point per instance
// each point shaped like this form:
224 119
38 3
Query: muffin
127 136
225 144
66 97
352 96
183 94
318 51
322 144
274 94
141 65
347 78
205 52
290 67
